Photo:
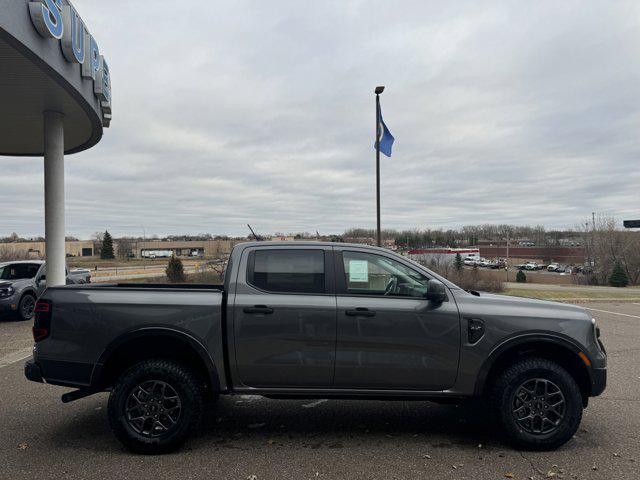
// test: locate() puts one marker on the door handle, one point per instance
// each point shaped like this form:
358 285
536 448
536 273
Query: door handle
360 312
263 309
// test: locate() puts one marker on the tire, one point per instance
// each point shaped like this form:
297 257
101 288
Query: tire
537 421
145 424
26 307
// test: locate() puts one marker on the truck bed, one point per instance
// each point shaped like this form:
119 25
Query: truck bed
90 321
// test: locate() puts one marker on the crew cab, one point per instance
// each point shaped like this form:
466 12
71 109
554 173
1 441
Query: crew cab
316 320
22 281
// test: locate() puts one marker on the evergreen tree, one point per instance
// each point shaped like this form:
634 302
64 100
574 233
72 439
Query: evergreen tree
175 270
619 276
106 252
521 277
458 263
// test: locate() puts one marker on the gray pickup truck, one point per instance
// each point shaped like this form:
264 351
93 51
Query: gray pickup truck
22 281
316 320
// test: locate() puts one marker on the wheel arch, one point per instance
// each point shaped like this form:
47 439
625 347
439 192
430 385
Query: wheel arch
28 291
555 348
154 342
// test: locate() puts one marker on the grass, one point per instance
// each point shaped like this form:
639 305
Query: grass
134 262
560 296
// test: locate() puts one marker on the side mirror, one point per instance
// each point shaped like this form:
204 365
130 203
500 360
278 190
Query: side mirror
436 291
42 278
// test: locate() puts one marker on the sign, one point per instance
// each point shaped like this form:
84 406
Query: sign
631 223
358 271
58 20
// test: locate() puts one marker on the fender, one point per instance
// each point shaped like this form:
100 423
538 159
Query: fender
148 331
28 290
495 354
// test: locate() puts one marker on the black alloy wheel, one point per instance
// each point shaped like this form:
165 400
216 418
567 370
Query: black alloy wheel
538 406
153 408
537 402
27 307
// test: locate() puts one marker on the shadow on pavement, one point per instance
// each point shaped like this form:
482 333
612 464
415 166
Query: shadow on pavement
243 423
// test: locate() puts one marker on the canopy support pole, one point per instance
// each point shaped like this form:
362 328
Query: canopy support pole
54 225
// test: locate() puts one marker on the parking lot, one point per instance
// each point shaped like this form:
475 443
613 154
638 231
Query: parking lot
255 438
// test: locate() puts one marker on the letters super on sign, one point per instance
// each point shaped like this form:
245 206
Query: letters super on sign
57 19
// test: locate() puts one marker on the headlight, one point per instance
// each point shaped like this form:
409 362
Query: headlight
6 292
596 335
596 329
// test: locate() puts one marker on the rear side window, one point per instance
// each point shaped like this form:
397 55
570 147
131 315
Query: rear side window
287 271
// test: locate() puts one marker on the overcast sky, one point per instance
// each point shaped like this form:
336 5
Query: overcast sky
235 112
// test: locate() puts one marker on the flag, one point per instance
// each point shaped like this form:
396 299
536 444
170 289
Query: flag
386 139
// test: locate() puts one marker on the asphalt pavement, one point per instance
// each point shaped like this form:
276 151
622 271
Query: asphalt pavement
251 438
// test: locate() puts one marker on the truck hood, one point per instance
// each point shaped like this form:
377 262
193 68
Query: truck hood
17 284
523 307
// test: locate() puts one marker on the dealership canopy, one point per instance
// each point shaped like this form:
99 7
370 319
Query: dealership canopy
55 98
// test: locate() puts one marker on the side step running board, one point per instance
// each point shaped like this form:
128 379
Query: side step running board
77 395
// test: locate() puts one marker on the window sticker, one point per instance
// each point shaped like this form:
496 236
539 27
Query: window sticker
358 271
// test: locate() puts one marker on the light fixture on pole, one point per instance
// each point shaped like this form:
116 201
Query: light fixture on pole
378 91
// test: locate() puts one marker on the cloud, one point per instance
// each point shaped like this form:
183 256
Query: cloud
227 113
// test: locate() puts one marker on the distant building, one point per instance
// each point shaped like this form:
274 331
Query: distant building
282 238
77 248
139 249
568 255
184 248
442 255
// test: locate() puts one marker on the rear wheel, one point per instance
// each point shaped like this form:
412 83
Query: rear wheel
155 406
26 307
537 403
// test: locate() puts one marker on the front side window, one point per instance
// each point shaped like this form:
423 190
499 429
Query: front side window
370 274
288 271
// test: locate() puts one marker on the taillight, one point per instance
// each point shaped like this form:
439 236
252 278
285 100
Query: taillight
42 320
43 306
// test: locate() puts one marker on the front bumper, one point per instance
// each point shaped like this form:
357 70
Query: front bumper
8 305
32 371
598 381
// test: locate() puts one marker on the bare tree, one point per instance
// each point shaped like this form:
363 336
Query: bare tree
97 238
9 253
124 247
606 244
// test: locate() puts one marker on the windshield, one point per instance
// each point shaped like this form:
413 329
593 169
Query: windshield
18 271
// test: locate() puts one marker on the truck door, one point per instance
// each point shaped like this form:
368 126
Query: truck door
284 317
389 335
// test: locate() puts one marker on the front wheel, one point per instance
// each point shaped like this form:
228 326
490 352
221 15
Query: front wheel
26 307
155 406
537 403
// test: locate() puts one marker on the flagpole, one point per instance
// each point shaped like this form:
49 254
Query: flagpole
378 91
